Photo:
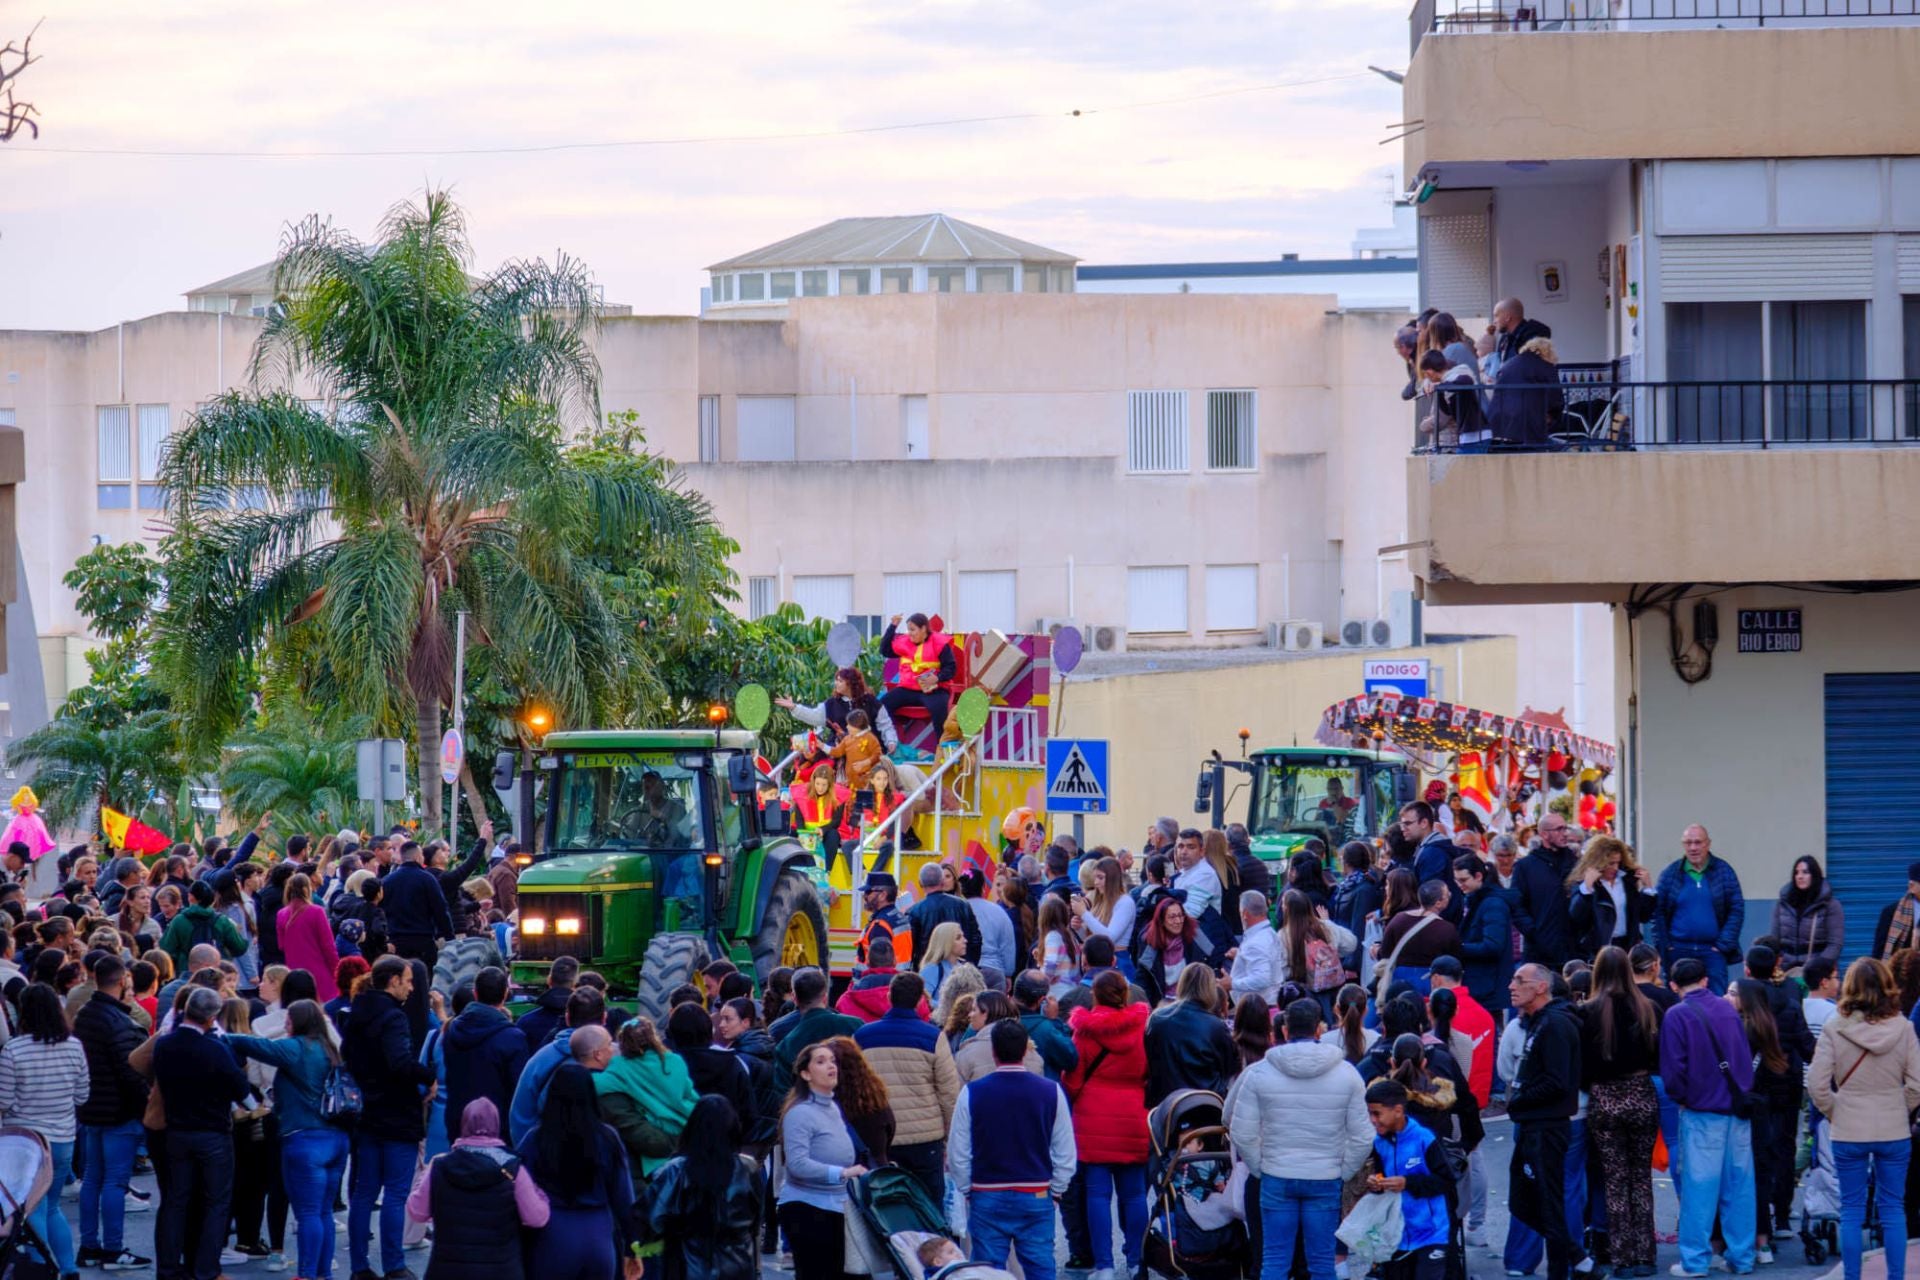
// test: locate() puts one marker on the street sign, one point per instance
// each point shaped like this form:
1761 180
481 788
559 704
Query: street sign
452 751
1404 676
1077 779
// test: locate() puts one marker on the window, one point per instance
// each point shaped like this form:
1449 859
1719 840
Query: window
946 279
911 593
855 280
782 285
1157 598
753 287
1714 342
987 600
1230 431
1157 431
763 596
156 424
828 596
1063 279
6 418
1910 394
1812 342
764 428
993 279
1233 597
896 280
1034 279
913 427
709 428
722 287
1812 355
116 457
813 284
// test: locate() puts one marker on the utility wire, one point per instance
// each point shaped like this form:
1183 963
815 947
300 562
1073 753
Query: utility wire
685 141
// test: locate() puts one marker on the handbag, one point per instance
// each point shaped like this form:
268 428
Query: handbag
341 1100
1383 974
1746 1103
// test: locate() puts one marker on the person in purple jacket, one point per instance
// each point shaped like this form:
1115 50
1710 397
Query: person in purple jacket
1708 1070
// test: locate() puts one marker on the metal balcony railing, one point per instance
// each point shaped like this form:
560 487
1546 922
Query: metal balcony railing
1605 414
1443 17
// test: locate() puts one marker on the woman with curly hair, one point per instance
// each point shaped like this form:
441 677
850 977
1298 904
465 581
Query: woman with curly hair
862 1096
963 983
1171 942
1612 897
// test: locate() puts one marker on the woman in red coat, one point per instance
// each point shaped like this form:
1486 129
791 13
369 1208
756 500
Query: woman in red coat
1108 1089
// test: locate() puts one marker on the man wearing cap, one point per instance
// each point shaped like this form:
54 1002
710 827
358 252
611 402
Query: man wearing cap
879 894
1895 930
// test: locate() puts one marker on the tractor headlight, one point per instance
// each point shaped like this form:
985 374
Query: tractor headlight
567 925
533 925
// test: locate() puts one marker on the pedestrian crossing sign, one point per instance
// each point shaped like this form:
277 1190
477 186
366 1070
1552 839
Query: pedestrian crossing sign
1077 775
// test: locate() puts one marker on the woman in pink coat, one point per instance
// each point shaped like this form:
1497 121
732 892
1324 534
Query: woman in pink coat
307 938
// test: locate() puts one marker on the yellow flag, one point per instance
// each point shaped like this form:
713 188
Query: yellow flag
115 824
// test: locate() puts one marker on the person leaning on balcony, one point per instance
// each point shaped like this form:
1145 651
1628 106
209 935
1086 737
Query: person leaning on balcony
1456 425
1515 330
1527 400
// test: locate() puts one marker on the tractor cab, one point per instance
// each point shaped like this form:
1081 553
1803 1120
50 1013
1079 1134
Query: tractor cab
1288 795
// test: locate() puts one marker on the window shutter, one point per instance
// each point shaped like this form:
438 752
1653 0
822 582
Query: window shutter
1765 268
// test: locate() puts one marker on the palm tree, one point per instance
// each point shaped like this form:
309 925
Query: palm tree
295 769
440 481
79 763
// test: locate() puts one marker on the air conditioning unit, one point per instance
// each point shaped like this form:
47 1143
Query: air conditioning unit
1104 639
1365 633
1295 636
1051 626
1403 621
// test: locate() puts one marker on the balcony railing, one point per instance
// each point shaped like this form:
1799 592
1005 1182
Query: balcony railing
1443 17
1610 414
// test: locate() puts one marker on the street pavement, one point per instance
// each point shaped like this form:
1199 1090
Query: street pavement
1789 1258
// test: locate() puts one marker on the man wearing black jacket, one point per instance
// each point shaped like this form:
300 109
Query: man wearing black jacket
110 1128
1433 853
416 908
485 1053
1541 1102
452 878
1255 874
936 908
199 1083
377 1049
1540 880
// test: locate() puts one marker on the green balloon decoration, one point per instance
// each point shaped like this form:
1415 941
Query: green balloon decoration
971 711
752 707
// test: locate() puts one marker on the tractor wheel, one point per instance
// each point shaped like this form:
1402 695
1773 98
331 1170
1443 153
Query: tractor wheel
794 932
460 960
673 960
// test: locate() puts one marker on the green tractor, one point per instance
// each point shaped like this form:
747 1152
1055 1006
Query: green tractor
1294 794
656 857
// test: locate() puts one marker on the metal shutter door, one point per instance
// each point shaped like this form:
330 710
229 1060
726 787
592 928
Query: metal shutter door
1765 268
1873 759
907 593
825 596
1456 258
1907 259
988 599
1157 598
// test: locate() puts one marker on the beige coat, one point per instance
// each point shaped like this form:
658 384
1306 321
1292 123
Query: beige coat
974 1059
921 1089
1880 1091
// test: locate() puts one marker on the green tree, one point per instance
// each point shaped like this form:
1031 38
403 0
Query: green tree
297 768
440 481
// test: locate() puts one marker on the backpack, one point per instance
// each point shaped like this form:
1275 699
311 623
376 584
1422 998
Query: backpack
203 931
1325 970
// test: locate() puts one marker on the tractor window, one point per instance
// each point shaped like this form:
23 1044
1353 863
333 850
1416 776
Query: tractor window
1383 808
1294 798
631 800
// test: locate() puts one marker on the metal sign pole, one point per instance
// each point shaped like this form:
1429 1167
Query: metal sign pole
459 725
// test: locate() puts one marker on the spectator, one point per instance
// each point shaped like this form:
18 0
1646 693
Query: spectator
1619 1054
1171 942
1404 1147
974 1057
1527 400
110 1117
1188 1046
863 1100
1894 930
1298 1120
585 1008
1514 331
1611 897
135 917
305 938
577 1160
712 1071
1823 992
201 925
1108 1092
1486 932
1708 1072
1060 882
504 876
1108 913
1412 940
1541 1104
1458 422
1433 852
1776 1113
945 951
916 1064
998 1163
1807 918
377 1050
1310 949
821 1158
814 1023
1257 963
1044 1030
866 996
549 1011
480 1196
642 1088
1197 881
43 1081
416 907
1700 909
200 1083
1540 880
485 1051
233 898
705 1202
937 907
1059 953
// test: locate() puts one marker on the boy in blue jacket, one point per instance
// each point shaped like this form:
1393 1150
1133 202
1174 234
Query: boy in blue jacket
1402 1146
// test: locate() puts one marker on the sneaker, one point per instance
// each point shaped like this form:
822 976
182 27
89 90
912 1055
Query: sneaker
139 1201
1477 1237
1680 1269
277 1261
125 1260
253 1249
232 1257
1764 1256
88 1255
71 1191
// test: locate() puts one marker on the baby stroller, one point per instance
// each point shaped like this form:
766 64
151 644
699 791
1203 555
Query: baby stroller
1820 1199
897 1215
26 1178
1194 1225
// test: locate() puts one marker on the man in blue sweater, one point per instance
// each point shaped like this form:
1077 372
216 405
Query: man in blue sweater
1009 1180
1699 909
1707 1068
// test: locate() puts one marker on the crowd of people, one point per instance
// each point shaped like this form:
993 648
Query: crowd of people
1003 1041
1499 389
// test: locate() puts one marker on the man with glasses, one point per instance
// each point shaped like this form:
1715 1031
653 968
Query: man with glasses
1699 909
1541 1103
1540 881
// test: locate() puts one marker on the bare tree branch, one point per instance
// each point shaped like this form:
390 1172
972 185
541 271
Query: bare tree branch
16 115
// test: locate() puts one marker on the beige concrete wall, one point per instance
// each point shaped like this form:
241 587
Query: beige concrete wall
1663 94
1162 723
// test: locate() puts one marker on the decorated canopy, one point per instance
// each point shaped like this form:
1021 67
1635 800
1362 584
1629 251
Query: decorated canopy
1427 725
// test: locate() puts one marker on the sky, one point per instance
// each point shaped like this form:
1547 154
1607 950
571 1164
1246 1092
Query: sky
1183 150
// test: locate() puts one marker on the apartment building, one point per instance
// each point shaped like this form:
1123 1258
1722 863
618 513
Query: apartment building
1715 205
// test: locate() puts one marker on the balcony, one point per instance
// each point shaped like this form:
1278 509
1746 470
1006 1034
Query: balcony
1766 481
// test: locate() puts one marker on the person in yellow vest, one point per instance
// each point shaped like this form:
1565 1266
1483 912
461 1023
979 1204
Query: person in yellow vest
820 806
926 665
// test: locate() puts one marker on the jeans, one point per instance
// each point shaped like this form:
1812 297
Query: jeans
1705 954
311 1164
1309 1207
199 1182
1476 1190
1129 1183
48 1220
1021 1219
107 1151
1716 1175
1525 1247
1073 1216
1889 1161
382 1170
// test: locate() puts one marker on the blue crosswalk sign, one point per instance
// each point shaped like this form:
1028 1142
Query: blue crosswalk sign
1077 775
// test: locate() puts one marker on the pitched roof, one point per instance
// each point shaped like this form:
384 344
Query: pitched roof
920 237
253 280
